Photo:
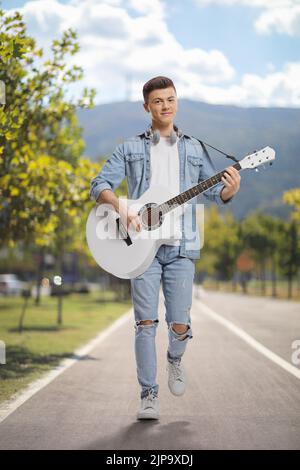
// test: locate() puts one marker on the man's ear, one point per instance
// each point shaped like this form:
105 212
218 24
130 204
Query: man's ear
146 107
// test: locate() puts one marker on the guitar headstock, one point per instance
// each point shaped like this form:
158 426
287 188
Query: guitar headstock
259 157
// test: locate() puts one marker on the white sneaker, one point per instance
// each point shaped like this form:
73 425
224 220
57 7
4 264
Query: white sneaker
177 378
149 408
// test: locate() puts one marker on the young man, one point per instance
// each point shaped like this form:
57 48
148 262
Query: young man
162 155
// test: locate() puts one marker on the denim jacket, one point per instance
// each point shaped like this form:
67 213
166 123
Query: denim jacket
131 159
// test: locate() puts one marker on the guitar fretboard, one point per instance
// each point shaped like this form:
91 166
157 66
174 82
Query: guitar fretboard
193 192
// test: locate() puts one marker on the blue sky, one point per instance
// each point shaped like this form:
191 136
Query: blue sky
231 29
244 52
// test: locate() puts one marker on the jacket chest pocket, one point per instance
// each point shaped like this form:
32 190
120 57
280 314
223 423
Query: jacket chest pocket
194 165
134 165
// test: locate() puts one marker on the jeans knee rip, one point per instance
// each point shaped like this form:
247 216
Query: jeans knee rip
139 326
181 336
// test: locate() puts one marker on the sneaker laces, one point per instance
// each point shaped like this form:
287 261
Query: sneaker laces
149 399
175 370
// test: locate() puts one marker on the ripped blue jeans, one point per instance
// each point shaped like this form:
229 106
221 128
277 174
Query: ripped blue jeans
176 274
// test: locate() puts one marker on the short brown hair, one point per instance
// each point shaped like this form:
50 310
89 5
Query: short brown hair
156 83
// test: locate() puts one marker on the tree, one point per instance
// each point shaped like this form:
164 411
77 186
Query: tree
222 243
265 236
290 254
292 197
43 178
257 240
38 124
291 257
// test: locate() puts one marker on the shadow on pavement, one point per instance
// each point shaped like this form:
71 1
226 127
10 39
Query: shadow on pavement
146 435
21 361
43 328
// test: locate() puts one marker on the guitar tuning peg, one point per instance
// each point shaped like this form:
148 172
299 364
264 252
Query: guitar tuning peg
271 163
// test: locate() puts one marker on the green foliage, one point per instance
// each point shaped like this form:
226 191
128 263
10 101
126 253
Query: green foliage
262 234
290 251
221 243
43 178
271 243
292 197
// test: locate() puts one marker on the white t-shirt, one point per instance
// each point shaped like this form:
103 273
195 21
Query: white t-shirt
165 171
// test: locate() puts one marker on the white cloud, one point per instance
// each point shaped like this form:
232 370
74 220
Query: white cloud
148 7
255 3
285 20
115 44
275 89
126 42
281 16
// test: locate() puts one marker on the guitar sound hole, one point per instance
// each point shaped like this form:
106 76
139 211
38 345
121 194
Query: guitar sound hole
150 216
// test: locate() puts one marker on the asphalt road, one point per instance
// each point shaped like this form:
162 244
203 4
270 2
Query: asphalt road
237 398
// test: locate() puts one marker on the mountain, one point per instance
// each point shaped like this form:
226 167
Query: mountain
237 131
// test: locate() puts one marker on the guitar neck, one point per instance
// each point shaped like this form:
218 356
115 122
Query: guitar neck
200 188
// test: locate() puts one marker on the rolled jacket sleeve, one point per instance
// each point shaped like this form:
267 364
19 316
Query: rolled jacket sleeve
111 174
221 202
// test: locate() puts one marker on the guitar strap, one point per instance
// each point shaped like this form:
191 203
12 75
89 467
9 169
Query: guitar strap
220 151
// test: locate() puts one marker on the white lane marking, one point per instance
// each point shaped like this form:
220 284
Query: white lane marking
9 406
249 339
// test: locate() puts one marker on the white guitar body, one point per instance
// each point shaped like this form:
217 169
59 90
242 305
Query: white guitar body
112 253
127 253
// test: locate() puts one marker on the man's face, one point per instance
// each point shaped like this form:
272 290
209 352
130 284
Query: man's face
162 104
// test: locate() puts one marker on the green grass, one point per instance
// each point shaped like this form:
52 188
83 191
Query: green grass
43 344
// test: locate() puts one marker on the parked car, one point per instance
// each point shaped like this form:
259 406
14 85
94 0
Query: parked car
64 289
10 284
81 287
67 288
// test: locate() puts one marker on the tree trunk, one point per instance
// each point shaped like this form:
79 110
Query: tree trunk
59 308
274 278
23 314
244 282
263 278
290 286
61 289
39 276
